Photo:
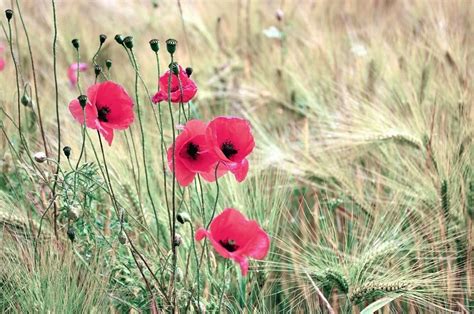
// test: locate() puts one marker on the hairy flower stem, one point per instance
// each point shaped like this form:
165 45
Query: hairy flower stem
163 146
173 195
137 98
224 284
197 267
34 78
56 93
15 63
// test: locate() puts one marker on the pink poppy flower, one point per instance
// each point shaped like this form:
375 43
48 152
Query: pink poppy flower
108 108
235 237
192 154
188 86
72 72
232 141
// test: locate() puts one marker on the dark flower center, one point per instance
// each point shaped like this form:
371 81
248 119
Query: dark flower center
103 112
229 245
228 149
192 150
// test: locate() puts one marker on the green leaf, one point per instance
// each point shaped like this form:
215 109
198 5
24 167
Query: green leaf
380 303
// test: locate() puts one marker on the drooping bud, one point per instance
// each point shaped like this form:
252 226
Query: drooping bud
119 39
26 100
71 234
82 101
189 71
279 15
174 68
75 43
177 240
155 45
67 151
108 64
40 157
122 238
9 14
183 218
128 41
74 213
102 39
97 70
171 45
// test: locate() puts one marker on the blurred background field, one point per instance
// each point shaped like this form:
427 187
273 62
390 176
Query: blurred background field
362 113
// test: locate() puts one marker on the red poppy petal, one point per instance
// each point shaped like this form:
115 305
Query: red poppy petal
2 64
159 96
107 133
259 246
241 171
90 111
210 176
183 175
244 264
201 233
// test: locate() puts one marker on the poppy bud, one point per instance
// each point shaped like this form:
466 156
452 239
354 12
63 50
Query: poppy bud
67 151
71 234
97 70
108 64
189 71
279 15
174 68
75 43
183 218
122 238
155 45
40 157
128 41
82 100
25 100
102 38
119 39
171 45
177 240
9 14
74 213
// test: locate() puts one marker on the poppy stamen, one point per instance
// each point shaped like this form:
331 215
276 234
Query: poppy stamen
192 150
228 149
102 114
229 245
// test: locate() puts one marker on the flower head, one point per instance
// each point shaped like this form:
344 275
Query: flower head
192 154
108 108
232 141
235 237
72 72
188 87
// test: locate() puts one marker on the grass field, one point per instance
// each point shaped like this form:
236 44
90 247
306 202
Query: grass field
362 172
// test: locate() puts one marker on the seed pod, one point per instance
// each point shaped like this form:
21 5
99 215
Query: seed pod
174 68
26 101
171 45
108 64
71 234
128 41
155 45
119 39
189 71
9 14
67 151
97 70
75 43
102 39
82 100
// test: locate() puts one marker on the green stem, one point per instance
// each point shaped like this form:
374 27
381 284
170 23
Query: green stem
56 93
